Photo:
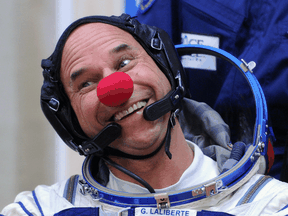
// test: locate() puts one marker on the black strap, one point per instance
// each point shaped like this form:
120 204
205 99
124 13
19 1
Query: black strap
115 152
129 173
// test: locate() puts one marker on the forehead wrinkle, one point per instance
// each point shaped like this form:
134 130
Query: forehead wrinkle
80 38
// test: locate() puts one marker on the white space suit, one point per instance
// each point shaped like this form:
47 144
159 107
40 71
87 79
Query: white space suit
261 195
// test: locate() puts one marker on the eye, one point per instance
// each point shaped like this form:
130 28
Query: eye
124 63
86 84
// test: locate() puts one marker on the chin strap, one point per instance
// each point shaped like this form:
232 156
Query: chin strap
115 152
167 140
112 131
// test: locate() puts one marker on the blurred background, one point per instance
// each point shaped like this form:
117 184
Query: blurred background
31 153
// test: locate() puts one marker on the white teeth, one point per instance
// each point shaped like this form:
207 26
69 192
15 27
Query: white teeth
138 105
131 109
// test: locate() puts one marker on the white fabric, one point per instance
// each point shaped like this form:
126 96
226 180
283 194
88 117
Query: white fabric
269 201
201 170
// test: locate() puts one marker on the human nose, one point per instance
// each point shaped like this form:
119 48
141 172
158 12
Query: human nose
115 89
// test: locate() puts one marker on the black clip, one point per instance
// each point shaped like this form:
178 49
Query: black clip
54 104
156 42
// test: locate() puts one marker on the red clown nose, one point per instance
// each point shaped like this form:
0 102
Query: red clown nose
115 89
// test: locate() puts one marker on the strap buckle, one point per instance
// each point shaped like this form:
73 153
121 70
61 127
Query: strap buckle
248 66
173 117
162 200
87 189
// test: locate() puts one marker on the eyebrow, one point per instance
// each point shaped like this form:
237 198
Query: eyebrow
77 73
119 48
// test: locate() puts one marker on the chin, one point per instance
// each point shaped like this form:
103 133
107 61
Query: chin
139 145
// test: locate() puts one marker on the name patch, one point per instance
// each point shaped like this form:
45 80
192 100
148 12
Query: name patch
147 211
200 61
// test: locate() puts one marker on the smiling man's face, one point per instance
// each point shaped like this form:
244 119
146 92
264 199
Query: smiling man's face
94 51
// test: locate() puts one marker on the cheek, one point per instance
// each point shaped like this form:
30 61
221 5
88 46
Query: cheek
150 73
163 82
85 108
161 85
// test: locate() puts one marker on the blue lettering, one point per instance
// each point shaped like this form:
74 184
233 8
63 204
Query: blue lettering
192 41
184 40
165 212
200 42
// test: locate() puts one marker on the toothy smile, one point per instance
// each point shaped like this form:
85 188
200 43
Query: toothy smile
120 115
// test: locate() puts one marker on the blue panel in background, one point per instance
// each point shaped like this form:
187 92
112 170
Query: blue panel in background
130 7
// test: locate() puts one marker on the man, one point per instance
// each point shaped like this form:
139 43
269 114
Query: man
137 158
116 50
